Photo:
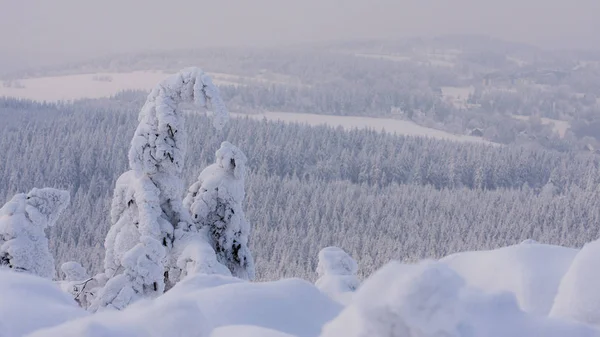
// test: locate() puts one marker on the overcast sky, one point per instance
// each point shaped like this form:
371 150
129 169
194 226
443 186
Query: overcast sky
73 28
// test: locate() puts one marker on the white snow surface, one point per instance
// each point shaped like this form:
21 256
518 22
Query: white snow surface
531 271
578 297
162 317
429 299
291 306
29 303
246 331
394 126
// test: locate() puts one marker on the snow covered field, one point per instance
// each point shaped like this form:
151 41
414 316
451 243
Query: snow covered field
100 85
400 127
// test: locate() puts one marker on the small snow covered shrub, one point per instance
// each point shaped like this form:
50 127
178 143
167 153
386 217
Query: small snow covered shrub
337 273
215 203
23 242
78 283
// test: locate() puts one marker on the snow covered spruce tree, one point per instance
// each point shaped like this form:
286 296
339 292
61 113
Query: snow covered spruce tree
147 214
337 273
23 242
215 203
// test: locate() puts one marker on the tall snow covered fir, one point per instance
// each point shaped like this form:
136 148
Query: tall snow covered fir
215 203
149 222
23 242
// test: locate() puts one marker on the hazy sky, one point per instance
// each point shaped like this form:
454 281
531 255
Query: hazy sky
73 28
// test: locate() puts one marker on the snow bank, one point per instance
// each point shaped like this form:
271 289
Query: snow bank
578 296
290 306
531 271
29 303
430 300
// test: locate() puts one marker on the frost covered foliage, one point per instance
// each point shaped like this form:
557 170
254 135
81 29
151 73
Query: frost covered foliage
23 242
215 203
337 274
431 300
578 296
147 213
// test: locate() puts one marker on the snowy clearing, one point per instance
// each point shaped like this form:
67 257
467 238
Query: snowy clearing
396 58
399 127
98 85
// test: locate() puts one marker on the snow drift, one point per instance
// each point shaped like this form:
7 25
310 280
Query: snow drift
530 271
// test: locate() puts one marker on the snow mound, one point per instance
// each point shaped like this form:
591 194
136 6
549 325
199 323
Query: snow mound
578 297
530 271
290 306
246 331
337 274
161 317
431 300
29 303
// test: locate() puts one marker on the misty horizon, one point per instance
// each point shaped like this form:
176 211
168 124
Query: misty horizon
67 30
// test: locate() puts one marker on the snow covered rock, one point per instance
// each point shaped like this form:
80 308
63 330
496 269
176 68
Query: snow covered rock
215 203
23 242
530 271
578 296
29 303
337 274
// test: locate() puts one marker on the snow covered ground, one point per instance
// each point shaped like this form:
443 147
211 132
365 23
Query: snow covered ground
498 293
400 127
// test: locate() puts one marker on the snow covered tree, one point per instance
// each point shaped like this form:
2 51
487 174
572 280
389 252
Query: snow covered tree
23 242
215 203
147 213
78 283
337 273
